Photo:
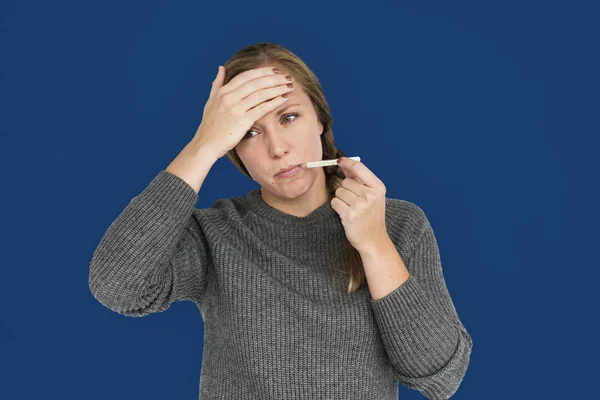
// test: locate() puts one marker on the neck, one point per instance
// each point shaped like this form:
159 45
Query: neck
303 204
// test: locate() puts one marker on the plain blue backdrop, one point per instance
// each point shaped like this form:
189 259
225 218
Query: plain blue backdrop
485 114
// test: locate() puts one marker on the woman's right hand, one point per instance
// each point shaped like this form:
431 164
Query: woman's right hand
231 110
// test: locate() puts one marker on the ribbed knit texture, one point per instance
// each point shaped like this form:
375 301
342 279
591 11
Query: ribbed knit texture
276 324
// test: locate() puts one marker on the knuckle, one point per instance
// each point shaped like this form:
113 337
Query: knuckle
252 86
242 121
226 100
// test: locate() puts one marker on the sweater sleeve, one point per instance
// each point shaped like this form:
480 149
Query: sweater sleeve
153 253
427 344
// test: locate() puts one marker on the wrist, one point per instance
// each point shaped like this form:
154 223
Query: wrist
377 247
201 149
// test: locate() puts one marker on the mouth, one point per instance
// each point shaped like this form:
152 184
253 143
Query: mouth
283 170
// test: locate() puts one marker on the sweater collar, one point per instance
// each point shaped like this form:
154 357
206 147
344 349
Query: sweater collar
257 204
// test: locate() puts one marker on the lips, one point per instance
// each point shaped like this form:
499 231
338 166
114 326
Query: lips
286 169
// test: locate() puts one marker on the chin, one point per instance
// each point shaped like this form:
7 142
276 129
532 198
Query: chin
291 189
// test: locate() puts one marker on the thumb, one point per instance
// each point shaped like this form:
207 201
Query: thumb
218 82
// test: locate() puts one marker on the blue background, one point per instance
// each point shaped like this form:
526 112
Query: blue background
485 114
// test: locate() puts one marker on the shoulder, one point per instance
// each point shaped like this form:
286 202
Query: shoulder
405 212
404 209
223 214
405 222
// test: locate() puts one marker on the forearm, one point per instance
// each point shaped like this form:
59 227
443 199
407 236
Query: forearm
384 269
427 344
193 164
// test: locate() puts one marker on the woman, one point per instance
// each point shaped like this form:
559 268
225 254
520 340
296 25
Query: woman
315 285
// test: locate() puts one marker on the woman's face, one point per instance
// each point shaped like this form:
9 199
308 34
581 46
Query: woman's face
287 135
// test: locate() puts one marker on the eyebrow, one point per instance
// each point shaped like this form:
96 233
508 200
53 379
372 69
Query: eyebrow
279 112
286 107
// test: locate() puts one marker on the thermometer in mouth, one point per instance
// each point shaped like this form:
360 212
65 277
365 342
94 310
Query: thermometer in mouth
324 163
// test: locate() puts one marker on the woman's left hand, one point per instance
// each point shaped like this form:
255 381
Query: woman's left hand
360 202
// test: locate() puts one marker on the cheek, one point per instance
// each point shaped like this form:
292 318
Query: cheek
249 162
317 146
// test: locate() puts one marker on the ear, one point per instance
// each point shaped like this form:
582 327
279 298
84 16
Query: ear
320 128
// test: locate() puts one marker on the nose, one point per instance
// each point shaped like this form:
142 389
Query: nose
276 144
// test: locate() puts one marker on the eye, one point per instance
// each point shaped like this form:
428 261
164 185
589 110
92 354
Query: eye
287 121
290 115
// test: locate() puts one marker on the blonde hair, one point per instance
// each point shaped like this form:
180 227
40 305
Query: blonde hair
267 53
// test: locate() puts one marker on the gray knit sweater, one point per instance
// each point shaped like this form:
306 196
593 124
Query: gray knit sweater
277 323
